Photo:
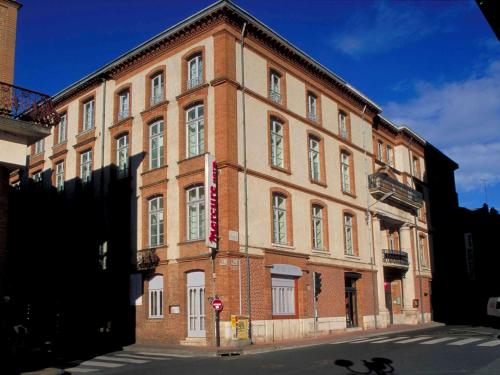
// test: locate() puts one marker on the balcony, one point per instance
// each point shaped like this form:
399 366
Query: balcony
147 260
381 184
17 103
396 258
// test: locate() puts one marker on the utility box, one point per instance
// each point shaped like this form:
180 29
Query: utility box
239 327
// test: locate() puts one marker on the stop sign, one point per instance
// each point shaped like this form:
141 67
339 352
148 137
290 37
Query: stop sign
217 304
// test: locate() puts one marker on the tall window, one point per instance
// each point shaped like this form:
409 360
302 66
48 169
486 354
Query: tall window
60 176
156 297
277 144
62 129
279 219
155 209
312 112
39 146
157 89
389 155
348 234
37 177
195 213
123 105
416 167
314 160
195 131
122 155
380 150
156 144
344 133
317 225
195 71
88 115
86 166
421 251
274 87
346 172
283 295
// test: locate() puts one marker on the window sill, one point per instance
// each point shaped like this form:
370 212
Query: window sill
154 169
320 251
188 242
281 169
84 132
60 144
353 195
155 318
152 107
191 158
283 246
186 91
117 122
319 183
352 257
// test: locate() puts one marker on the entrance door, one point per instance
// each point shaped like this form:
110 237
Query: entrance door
351 305
196 304
388 300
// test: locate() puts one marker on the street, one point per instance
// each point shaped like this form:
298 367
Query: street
442 350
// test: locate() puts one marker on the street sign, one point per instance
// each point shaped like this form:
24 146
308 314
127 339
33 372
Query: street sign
217 304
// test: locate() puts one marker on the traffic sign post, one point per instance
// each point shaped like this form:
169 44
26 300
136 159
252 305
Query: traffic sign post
218 306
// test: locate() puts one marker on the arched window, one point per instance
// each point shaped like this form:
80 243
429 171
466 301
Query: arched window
279 219
156 297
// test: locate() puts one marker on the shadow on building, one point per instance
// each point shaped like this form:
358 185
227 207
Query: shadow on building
70 257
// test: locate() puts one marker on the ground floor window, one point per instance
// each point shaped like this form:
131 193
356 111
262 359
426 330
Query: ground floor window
156 297
196 303
283 295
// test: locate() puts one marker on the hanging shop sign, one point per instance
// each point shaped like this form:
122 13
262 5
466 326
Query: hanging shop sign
211 211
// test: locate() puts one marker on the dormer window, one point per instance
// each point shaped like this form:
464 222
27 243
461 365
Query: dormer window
195 71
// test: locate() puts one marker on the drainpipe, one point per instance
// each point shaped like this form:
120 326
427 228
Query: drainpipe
417 248
245 179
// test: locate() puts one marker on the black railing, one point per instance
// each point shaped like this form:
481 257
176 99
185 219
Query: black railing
385 184
147 259
27 105
396 257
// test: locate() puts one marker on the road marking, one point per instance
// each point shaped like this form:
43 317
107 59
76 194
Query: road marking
126 360
435 341
414 339
101 364
166 355
389 340
465 341
490 343
79 369
368 340
140 357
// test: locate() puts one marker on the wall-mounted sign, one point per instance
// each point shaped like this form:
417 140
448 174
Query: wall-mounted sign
211 211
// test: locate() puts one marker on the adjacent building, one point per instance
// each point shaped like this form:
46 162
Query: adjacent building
326 189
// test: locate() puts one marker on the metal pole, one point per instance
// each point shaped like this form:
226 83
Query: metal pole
369 228
315 304
245 180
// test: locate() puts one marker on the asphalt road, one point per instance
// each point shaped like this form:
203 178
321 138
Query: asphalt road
443 350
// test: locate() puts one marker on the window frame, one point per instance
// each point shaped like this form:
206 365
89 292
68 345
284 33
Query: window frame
88 119
312 106
156 137
59 175
120 147
280 229
315 166
123 110
195 81
157 98
288 285
62 129
156 294
198 203
86 166
156 222
277 136
199 126
317 221
345 129
345 172
39 146
353 233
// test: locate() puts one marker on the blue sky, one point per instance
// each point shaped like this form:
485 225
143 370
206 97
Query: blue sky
432 65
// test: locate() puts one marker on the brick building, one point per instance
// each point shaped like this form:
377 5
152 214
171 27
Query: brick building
332 188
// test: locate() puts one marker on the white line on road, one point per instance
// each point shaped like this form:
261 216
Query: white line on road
165 354
79 369
465 341
368 340
490 343
101 364
436 341
126 360
389 340
141 357
414 339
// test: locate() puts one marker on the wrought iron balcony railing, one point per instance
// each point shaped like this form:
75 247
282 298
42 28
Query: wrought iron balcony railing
313 116
147 259
381 183
22 104
275 96
157 98
396 257
194 82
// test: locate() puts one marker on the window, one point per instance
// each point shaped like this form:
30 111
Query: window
62 129
86 166
421 251
312 113
279 219
37 177
195 213
60 176
314 161
348 234
283 295
196 303
380 150
156 144
317 226
344 132
157 89
389 155
123 105
416 167
346 172
195 71
88 115
274 87
277 142
155 208
195 131
156 297
39 146
122 155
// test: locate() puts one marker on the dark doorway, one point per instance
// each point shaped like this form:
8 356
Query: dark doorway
351 298
388 300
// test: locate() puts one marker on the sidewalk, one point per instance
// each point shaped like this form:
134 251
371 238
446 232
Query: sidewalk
211 351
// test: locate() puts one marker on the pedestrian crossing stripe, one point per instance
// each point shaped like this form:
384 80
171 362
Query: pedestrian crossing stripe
81 369
465 341
101 364
141 357
490 343
367 340
389 340
414 339
120 359
423 340
437 341
165 354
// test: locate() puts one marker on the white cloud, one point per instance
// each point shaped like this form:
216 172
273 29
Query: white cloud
463 119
